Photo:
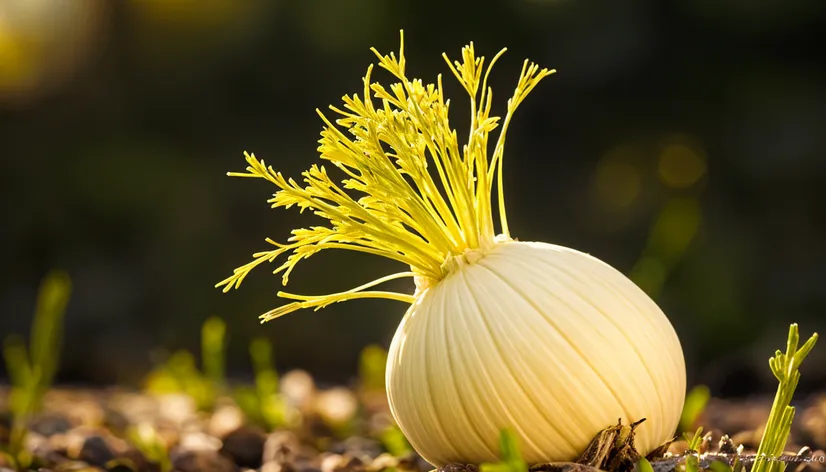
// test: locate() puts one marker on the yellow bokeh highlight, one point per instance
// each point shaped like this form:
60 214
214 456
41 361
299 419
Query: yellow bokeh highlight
675 228
649 274
681 165
617 183
670 236
43 42
18 63
192 14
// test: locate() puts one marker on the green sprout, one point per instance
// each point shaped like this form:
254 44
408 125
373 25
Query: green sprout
372 368
213 351
784 366
510 459
179 374
643 465
32 371
146 440
394 441
669 239
720 466
692 463
695 440
264 403
695 403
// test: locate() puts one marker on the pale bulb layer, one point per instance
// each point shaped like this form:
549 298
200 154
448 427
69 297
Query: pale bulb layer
547 341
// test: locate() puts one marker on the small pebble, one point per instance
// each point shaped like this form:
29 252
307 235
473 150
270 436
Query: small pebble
35 441
337 405
203 461
50 424
350 464
379 422
812 423
5 427
198 441
74 466
281 447
414 462
82 411
136 408
384 461
120 467
224 420
456 467
168 433
96 451
271 467
561 467
818 461
176 408
115 421
330 462
245 446
749 439
298 387
141 463
358 446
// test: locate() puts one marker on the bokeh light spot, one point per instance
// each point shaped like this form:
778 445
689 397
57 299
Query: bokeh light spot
649 274
42 43
617 182
675 228
188 14
16 65
680 165
671 235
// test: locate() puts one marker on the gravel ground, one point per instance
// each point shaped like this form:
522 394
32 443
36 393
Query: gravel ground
340 430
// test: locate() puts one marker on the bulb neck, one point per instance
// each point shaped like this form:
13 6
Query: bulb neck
455 263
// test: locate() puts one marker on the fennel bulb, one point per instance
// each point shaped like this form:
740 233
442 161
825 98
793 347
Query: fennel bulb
542 339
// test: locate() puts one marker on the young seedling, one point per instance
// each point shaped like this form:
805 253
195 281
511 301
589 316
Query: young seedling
264 403
395 442
179 374
720 466
692 463
32 371
695 403
372 368
510 457
695 440
784 366
146 440
213 353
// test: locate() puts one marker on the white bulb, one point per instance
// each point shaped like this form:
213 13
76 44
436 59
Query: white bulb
547 341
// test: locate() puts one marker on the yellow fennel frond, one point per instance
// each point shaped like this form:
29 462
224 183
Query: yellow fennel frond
410 192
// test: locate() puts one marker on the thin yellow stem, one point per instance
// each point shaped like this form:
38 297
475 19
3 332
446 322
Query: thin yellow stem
390 202
322 302
371 284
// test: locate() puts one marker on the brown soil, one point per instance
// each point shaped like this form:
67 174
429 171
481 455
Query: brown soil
95 430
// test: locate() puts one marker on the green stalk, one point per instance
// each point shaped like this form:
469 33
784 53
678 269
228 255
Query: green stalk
785 369
32 371
510 458
213 356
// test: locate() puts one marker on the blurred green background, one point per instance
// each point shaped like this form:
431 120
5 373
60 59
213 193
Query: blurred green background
683 142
